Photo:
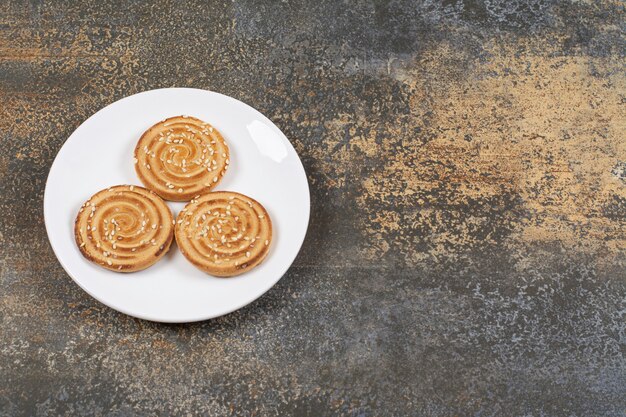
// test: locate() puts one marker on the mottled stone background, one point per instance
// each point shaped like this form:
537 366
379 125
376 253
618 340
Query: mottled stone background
467 247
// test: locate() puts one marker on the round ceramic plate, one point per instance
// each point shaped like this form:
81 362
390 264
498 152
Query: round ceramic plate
99 154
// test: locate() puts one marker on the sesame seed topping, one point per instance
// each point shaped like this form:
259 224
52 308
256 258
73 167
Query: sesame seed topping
109 262
267 242
180 190
247 254
131 188
215 179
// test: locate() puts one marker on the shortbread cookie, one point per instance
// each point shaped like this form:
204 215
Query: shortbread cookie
181 157
224 233
125 228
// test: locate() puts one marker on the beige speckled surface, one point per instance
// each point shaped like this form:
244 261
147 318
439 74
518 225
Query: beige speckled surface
466 253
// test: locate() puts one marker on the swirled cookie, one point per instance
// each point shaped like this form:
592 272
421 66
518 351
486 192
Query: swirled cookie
125 228
181 157
224 233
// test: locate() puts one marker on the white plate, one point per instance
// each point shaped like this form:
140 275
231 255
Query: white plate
99 154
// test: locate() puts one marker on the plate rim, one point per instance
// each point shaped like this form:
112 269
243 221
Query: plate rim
237 306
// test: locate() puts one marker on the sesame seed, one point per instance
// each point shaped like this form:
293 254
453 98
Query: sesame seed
180 190
154 226
170 186
109 262
247 254
215 179
148 166
131 188
174 222
135 160
267 242
227 161
83 244
119 267
133 249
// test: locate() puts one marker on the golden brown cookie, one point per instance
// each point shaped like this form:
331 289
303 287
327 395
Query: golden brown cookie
224 233
181 157
125 228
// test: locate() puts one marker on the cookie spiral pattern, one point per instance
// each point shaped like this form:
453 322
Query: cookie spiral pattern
181 157
124 228
224 233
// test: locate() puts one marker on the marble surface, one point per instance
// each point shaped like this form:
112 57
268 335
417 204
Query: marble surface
467 246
